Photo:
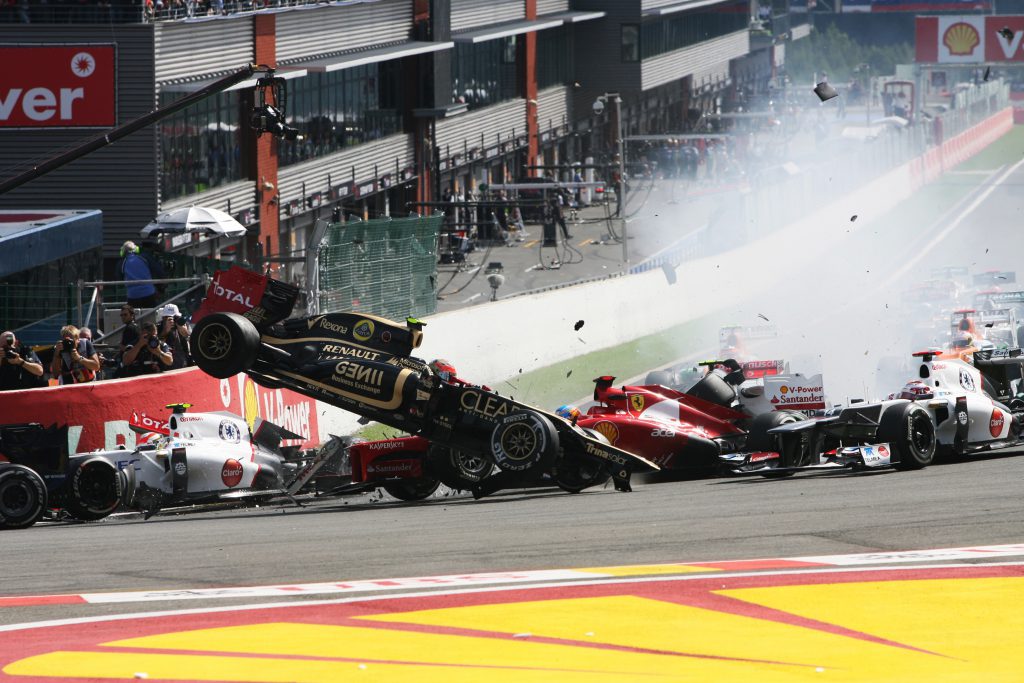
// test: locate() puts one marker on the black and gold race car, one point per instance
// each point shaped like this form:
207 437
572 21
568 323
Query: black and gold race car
363 364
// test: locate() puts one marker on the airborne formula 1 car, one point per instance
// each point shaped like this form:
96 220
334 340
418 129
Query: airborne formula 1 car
943 410
363 364
187 458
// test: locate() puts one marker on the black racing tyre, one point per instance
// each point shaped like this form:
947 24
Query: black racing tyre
458 470
22 496
523 440
128 486
94 489
662 377
714 389
758 438
224 344
411 489
909 430
575 474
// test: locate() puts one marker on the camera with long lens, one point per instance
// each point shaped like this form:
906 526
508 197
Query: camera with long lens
68 343
267 118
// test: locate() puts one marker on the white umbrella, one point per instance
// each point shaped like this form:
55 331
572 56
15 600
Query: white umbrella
188 219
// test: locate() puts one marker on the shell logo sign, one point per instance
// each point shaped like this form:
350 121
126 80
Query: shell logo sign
608 430
960 39
250 402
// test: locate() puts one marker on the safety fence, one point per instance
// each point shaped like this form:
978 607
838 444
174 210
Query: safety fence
385 267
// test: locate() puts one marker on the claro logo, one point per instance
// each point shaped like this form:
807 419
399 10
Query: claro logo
995 424
58 86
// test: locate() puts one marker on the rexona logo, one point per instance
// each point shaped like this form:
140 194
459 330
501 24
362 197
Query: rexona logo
960 39
995 424
66 86
231 473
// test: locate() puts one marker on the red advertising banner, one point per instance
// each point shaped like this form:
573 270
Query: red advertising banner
99 413
65 86
969 39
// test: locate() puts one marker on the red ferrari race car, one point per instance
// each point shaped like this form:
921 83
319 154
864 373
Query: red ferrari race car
684 430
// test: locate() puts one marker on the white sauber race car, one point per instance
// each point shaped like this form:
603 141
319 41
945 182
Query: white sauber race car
943 410
187 458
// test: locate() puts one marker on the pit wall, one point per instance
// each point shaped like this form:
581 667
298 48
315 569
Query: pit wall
492 342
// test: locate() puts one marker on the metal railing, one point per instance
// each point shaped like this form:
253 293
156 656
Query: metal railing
110 293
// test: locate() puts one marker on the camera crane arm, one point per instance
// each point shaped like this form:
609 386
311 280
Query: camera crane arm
267 80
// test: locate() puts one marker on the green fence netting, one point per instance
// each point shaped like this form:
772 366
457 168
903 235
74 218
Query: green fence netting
387 267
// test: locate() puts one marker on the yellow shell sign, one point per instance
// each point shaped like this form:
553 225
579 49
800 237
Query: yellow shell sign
960 39
608 430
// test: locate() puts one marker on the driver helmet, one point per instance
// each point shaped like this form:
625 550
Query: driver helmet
962 341
916 389
569 412
443 369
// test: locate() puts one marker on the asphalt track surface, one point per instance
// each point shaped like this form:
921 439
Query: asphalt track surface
966 503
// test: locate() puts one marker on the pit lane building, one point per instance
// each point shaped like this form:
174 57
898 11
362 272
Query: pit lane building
395 100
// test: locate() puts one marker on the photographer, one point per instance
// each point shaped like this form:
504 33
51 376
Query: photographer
174 331
148 355
19 366
74 360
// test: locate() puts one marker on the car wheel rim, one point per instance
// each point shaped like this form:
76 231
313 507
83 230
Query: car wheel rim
921 434
94 489
519 442
470 465
15 499
215 342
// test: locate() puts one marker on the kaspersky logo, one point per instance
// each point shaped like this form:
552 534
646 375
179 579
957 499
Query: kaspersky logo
960 39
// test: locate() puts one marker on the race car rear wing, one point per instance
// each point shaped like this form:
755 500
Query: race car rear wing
44 449
261 299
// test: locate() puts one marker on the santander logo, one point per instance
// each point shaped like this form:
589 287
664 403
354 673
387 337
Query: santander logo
231 473
995 424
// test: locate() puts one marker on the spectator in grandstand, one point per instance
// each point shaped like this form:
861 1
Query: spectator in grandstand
134 267
20 367
174 332
148 355
74 359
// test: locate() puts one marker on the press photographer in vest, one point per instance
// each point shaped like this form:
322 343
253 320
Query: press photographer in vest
75 360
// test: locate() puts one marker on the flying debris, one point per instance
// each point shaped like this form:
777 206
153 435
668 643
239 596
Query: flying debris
363 420
670 273
988 70
578 325
1005 32
763 317
825 92
568 374
853 218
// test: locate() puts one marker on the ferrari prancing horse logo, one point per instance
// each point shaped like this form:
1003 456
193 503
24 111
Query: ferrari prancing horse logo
637 401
